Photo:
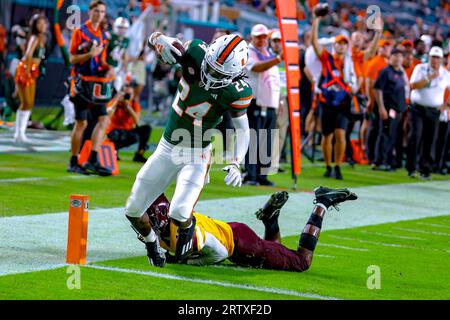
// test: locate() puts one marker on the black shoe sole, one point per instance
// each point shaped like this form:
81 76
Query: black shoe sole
273 205
324 194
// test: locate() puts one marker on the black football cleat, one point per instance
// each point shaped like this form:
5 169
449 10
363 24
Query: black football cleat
156 257
332 197
184 245
77 169
273 206
96 168
328 172
139 158
337 173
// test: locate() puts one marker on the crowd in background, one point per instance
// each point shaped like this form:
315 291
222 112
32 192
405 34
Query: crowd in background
386 118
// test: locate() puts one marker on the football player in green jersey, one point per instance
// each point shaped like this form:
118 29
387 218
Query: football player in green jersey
212 83
116 52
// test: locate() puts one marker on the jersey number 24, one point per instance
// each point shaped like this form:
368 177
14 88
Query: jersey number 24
197 112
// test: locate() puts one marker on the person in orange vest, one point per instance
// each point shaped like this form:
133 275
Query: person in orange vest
334 98
91 87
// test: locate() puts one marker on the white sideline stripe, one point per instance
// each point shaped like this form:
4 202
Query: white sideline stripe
110 236
43 178
390 235
423 231
433 225
217 283
384 244
342 247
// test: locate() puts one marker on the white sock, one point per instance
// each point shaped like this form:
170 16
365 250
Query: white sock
151 236
18 124
25 114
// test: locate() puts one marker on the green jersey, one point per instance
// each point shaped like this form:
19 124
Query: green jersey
116 49
197 110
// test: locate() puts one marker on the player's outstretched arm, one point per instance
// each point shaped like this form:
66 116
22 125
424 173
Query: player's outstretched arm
240 123
318 49
170 49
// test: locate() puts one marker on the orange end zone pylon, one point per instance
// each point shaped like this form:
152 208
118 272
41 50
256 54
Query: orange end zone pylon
77 230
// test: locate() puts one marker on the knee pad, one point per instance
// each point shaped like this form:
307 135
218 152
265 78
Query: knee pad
180 213
133 209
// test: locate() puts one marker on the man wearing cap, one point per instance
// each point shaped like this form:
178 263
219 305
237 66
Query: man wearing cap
334 98
264 79
428 84
390 95
282 122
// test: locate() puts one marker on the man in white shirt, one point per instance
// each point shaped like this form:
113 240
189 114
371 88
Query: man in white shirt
264 79
428 84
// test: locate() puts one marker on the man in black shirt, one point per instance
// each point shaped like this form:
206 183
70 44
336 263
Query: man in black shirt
390 97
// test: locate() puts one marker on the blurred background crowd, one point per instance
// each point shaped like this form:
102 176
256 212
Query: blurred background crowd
394 118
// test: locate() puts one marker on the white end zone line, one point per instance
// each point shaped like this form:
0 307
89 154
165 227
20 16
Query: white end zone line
213 282
39 241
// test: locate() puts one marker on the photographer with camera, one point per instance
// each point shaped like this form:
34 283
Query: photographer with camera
124 130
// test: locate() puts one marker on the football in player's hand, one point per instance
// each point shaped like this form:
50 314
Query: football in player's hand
180 48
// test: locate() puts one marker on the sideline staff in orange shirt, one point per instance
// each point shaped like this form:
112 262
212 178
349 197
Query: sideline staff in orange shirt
124 129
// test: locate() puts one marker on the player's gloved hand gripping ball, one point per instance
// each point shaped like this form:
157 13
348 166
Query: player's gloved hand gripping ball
170 49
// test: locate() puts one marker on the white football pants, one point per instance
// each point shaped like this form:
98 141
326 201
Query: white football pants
190 168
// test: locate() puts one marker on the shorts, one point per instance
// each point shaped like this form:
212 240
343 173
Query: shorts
83 108
252 251
334 118
24 79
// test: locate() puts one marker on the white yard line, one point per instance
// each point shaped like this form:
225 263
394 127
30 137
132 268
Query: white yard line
423 231
384 244
341 247
217 283
390 235
433 225
39 241
324 256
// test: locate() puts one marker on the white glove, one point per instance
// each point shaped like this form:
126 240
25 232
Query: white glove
234 176
163 45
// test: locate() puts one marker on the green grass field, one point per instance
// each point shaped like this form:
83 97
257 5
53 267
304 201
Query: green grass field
413 255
